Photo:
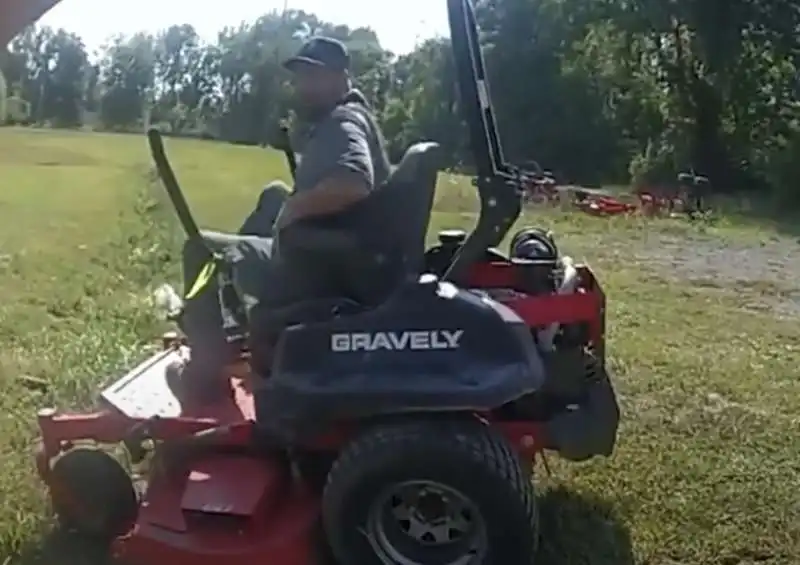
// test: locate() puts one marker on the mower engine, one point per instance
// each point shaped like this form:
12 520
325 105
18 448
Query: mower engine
569 349
545 271
535 250
573 352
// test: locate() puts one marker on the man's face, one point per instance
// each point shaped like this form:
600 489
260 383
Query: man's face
316 88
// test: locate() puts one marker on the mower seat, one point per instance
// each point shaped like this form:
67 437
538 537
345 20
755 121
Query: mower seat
399 252
412 187
374 270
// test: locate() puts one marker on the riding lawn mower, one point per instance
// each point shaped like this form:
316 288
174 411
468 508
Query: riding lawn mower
399 432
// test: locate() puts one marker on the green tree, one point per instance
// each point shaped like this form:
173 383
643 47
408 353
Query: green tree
596 90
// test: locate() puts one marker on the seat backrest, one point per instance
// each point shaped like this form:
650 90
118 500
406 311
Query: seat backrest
393 222
410 191
399 212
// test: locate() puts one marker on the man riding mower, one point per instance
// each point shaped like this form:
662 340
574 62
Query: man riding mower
392 418
344 162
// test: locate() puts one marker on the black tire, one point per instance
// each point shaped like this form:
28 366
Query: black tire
93 495
466 458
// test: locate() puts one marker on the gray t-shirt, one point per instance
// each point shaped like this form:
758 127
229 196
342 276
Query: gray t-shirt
348 138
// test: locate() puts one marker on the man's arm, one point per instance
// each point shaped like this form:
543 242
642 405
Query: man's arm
340 150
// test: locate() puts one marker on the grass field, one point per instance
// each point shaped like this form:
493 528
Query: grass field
704 344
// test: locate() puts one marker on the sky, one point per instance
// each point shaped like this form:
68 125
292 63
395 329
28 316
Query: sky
399 25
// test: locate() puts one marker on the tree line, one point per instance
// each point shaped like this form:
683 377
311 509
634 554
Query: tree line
597 91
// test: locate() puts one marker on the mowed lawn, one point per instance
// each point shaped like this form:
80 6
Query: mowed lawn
707 469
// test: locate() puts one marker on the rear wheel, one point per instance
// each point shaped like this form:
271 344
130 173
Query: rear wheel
432 493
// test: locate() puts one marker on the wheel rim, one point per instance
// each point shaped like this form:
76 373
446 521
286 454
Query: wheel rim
426 523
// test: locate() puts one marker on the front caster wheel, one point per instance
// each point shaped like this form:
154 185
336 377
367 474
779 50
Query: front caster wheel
92 494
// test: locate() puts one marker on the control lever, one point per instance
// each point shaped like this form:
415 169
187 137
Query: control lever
170 182
233 311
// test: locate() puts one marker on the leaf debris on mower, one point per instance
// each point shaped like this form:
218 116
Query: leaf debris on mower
400 432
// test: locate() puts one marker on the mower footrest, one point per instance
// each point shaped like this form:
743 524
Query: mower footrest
144 391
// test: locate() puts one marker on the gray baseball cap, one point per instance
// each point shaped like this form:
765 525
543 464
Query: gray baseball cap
321 52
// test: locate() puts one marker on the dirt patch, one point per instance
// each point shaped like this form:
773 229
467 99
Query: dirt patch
766 271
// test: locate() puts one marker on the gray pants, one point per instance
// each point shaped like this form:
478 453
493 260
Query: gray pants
250 255
265 279
262 218
249 252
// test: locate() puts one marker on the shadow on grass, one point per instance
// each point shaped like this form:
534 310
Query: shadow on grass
581 529
58 547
